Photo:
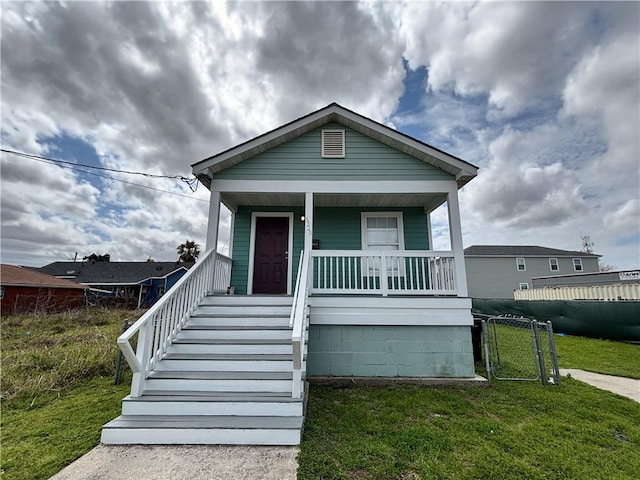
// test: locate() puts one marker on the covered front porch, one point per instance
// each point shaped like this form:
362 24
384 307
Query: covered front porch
359 243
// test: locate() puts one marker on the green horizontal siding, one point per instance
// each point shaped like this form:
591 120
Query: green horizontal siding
336 228
340 228
390 351
365 159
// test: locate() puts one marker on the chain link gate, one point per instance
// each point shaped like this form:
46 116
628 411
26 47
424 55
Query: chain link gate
518 348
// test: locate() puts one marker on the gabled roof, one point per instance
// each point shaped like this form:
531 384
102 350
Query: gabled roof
462 170
120 273
521 251
14 276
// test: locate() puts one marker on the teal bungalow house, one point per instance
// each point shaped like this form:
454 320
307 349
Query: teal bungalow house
332 274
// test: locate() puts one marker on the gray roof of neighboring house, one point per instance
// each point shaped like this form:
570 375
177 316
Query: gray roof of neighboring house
521 251
102 273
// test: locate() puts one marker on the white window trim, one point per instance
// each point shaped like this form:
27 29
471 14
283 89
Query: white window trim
557 265
252 247
400 222
581 269
524 264
363 226
524 286
333 130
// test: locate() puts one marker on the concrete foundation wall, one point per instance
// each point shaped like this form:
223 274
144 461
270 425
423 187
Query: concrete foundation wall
390 351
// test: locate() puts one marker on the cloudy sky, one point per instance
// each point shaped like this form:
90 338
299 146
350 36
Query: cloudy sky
543 97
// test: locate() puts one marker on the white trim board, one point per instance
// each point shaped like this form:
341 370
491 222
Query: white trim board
252 247
336 186
434 311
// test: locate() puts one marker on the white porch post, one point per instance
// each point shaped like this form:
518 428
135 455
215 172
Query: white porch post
308 233
429 232
308 220
231 228
214 220
455 230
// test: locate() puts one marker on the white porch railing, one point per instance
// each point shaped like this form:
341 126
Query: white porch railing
299 322
159 326
393 272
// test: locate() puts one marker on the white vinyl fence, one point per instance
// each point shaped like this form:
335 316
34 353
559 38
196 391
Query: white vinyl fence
594 292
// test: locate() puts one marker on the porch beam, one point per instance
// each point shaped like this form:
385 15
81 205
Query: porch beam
229 203
338 186
214 220
455 231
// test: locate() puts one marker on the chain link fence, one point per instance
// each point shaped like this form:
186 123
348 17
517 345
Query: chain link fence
521 349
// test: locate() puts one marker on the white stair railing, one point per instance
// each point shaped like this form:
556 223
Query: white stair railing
159 326
299 322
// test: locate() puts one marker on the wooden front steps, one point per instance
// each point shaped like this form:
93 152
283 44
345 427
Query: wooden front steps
226 379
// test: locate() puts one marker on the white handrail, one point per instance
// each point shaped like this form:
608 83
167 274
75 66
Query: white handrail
158 327
299 322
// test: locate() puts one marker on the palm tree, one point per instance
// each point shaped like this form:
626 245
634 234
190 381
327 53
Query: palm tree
188 251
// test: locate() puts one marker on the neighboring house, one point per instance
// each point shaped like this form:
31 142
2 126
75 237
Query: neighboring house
136 283
25 290
495 271
331 241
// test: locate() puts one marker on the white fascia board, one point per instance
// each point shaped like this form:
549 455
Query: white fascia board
337 186
98 290
172 272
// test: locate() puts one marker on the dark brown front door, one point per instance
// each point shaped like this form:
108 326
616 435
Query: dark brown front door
270 265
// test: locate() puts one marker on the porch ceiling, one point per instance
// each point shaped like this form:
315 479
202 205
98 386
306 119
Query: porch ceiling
428 200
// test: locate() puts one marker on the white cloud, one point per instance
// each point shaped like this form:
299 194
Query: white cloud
543 96
626 219
515 52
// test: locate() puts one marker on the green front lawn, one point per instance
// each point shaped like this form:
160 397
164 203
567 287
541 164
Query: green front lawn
57 388
57 393
512 430
599 356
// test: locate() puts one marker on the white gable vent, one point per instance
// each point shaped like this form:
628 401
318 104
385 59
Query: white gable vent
333 143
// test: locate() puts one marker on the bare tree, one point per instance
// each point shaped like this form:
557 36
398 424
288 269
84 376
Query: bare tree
605 267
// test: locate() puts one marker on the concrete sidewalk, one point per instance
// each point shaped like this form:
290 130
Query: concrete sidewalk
627 387
179 462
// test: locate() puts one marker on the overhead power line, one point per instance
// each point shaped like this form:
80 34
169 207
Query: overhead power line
190 181
74 166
